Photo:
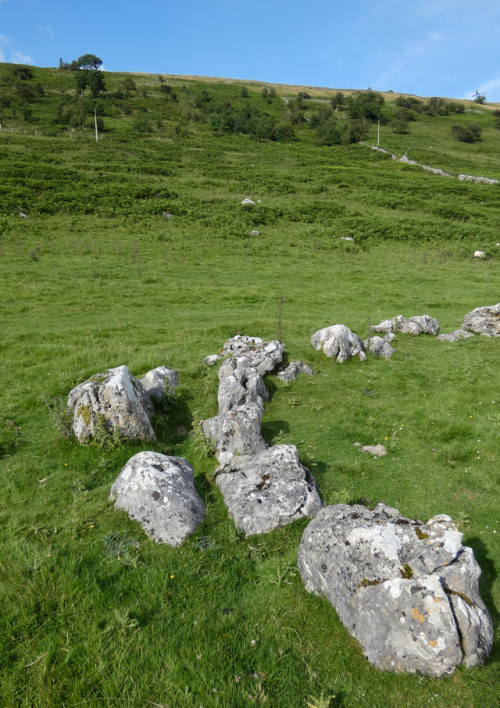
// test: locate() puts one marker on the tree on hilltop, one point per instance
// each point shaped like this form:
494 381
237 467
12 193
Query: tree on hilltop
88 74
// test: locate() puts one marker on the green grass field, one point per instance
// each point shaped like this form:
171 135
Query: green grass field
95 614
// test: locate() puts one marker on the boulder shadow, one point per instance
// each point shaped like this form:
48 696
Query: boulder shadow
488 577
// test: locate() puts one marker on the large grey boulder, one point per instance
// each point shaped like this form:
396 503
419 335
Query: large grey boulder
419 324
113 399
160 382
158 491
339 342
484 320
407 591
236 432
249 351
269 490
239 387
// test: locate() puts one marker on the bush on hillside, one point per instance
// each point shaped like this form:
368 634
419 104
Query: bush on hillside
467 133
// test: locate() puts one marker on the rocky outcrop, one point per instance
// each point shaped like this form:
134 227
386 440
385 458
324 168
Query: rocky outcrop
113 400
268 490
160 382
484 320
338 342
264 488
158 491
420 324
407 591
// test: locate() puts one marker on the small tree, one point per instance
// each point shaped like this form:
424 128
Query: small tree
467 133
88 73
479 97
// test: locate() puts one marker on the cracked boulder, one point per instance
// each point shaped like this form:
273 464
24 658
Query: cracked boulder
484 320
113 400
269 490
160 382
158 491
407 591
420 324
338 342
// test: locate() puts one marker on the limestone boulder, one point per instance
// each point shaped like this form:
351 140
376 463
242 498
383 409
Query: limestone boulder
113 399
407 591
158 491
484 320
379 346
455 336
269 490
236 432
338 342
419 324
160 382
289 373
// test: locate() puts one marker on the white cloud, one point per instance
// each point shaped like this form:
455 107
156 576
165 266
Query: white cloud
48 30
19 58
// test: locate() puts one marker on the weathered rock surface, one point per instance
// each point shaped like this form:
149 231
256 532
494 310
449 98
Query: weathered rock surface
407 591
236 432
269 490
263 356
484 320
379 346
248 202
290 372
454 336
114 399
419 324
160 381
339 342
158 491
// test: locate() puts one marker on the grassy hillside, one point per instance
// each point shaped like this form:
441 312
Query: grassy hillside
93 613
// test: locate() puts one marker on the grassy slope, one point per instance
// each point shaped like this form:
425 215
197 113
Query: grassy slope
95 277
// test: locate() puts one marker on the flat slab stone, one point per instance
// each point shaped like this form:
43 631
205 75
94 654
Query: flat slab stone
268 491
158 491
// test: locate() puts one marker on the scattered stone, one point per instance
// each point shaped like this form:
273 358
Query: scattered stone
484 320
160 381
269 490
454 336
211 359
254 233
478 180
339 342
158 491
22 215
167 215
379 347
248 201
290 372
420 324
346 238
407 591
113 399
376 450
480 254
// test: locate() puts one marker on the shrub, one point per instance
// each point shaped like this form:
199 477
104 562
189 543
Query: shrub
467 133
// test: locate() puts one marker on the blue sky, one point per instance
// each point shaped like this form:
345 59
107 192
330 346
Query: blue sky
445 48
